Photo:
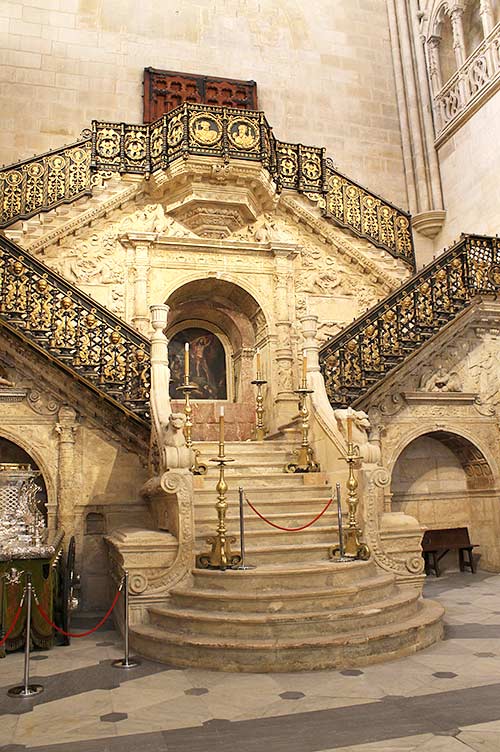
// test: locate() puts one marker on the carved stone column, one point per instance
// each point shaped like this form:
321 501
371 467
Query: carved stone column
285 399
434 64
457 28
140 244
67 486
487 17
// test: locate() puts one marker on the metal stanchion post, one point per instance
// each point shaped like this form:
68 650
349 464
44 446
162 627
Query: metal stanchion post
242 533
27 689
125 662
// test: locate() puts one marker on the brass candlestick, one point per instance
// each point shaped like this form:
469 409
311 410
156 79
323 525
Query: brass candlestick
305 462
221 556
259 407
352 545
198 468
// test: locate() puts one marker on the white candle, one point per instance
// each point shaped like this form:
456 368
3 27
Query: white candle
221 426
258 363
304 367
186 361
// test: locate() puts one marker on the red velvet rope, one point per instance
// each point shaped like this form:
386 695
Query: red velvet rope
81 634
288 529
11 628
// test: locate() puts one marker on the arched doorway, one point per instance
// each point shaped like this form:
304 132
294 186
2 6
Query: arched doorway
444 480
13 453
224 324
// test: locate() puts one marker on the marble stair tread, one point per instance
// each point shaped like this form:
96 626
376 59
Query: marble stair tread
298 594
284 600
408 630
343 620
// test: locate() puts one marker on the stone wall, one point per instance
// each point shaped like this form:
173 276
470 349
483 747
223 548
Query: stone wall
470 165
323 71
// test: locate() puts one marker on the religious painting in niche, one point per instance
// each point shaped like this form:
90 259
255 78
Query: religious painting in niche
207 364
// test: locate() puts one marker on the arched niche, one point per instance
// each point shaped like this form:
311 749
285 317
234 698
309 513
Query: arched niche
230 313
13 453
444 481
209 361
472 26
447 58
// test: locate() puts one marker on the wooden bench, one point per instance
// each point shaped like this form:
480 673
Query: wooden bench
437 543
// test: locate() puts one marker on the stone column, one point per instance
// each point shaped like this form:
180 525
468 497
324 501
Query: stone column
285 399
456 15
434 64
140 244
67 487
487 18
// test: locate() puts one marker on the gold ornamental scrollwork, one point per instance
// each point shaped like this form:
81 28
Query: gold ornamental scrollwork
108 143
175 130
135 145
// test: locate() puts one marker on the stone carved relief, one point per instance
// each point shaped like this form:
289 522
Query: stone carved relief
152 218
174 453
266 229
368 448
411 561
441 381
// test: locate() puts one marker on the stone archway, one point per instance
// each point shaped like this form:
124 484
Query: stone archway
444 480
233 317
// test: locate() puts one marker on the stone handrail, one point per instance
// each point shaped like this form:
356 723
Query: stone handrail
477 76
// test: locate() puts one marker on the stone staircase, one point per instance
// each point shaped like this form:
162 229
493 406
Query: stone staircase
296 610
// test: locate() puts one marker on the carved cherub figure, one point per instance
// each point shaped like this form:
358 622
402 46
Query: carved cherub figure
442 381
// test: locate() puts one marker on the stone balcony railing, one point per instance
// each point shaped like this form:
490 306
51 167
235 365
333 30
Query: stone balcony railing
469 87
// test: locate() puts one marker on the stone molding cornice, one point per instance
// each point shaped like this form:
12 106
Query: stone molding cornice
82 220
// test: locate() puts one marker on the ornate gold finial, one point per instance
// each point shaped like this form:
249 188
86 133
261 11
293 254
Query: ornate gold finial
259 400
304 462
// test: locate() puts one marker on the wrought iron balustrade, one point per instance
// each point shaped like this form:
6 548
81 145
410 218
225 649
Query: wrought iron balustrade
366 351
74 331
44 182
64 175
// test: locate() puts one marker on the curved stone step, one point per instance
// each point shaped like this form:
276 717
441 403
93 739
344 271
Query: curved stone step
287 577
280 626
279 601
225 653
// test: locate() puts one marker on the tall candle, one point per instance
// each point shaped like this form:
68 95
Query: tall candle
349 429
186 360
221 425
258 363
304 367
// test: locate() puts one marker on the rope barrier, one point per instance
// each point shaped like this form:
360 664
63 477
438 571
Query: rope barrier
75 635
16 618
287 529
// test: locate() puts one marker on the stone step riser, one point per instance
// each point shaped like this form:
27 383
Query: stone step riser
271 492
267 536
313 553
395 641
315 577
301 626
286 602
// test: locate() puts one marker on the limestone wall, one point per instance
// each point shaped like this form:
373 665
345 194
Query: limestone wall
323 71
470 164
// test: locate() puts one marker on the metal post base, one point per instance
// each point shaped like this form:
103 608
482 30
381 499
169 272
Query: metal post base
122 663
22 691
244 567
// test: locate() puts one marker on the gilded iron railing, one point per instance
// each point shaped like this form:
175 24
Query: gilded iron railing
73 330
44 182
245 134
61 176
367 350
